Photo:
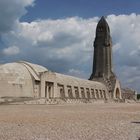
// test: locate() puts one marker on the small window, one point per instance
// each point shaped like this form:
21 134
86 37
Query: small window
62 92
69 92
104 94
82 92
101 95
76 92
96 92
88 93
92 93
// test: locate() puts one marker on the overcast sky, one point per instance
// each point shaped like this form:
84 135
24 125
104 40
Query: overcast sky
59 35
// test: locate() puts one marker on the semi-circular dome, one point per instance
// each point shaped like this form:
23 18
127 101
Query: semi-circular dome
37 68
16 79
34 69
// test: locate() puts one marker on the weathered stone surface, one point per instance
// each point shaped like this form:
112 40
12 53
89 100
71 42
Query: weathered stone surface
102 63
23 79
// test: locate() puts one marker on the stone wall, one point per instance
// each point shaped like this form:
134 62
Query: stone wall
129 94
54 85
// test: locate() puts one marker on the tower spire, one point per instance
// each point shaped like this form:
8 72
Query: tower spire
102 63
103 31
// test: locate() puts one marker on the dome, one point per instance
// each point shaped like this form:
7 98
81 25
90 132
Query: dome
16 79
34 69
37 68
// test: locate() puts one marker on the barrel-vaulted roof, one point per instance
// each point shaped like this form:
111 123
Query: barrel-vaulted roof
22 69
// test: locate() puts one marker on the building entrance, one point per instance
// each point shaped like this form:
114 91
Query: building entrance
117 93
49 90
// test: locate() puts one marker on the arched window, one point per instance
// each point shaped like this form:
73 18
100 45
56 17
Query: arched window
117 93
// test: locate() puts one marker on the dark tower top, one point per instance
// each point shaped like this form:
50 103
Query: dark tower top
103 32
102 63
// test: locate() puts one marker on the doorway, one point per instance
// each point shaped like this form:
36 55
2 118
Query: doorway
49 90
117 93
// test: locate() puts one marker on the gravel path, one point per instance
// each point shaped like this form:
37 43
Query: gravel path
70 122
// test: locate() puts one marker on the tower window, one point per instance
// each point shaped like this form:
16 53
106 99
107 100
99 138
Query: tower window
100 29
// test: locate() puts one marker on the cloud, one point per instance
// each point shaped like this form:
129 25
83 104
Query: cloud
10 13
66 45
13 50
125 30
56 44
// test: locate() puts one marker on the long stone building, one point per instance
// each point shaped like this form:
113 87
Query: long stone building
23 79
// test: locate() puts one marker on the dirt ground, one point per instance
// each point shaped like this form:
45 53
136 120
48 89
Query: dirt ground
97 121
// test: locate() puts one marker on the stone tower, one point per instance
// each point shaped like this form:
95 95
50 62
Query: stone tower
102 61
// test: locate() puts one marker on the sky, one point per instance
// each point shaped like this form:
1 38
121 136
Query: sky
59 35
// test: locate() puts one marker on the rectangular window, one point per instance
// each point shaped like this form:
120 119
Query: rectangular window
61 90
92 93
88 93
101 95
82 92
76 92
96 92
69 88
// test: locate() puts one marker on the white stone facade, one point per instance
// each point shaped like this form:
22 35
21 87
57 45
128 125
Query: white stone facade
23 79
